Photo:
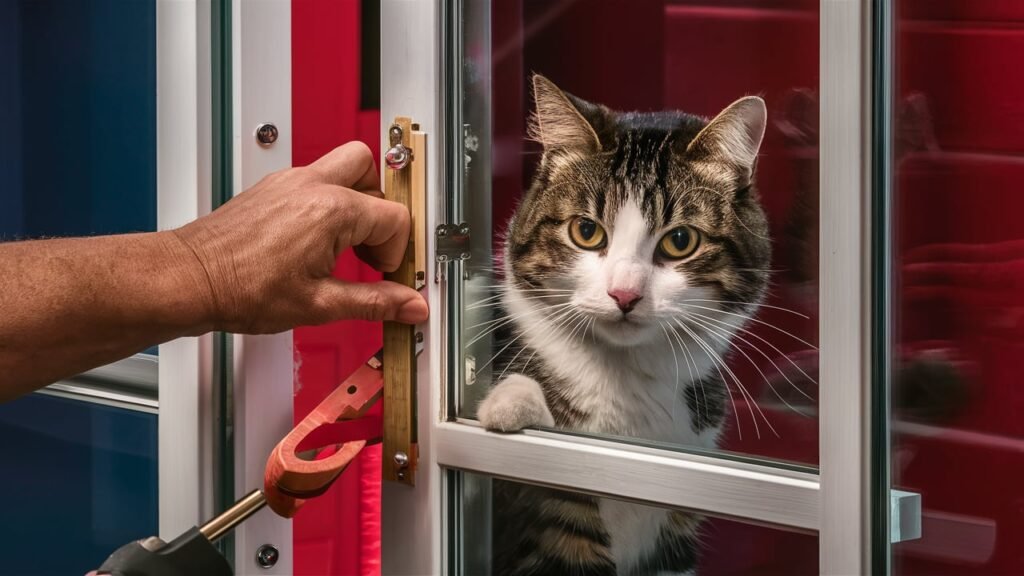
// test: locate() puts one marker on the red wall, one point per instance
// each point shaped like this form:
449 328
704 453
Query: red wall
339 532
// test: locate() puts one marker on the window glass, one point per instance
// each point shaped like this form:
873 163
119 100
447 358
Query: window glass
629 277
78 104
513 528
958 261
80 481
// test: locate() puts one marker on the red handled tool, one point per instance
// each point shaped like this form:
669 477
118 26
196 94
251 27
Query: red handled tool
335 431
303 465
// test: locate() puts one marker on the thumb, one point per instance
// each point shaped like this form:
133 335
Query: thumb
372 301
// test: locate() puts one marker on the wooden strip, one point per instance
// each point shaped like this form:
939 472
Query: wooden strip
399 343
419 191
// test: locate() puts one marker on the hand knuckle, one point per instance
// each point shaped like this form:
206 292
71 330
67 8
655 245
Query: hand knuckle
376 305
359 149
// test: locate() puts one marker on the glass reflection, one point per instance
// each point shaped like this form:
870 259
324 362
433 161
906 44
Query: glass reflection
958 245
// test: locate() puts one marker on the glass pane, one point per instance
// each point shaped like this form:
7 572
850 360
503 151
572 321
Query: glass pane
512 528
77 157
957 437
618 258
80 481
78 105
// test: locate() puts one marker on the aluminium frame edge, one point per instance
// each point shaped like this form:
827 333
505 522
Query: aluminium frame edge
846 394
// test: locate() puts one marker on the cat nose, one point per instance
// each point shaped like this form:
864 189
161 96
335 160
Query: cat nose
625 299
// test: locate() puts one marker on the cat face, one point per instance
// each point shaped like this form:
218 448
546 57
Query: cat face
634 218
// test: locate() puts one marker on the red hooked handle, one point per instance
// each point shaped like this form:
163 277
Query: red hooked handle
336 423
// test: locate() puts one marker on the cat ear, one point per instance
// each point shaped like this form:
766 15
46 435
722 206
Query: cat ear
733 137
558 121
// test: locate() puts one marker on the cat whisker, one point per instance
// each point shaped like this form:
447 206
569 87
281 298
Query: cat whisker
743 389
484 304
755 335
800 314
722 336
675 360
752 319
688 356
509 363
572 313
508 319
528 360
739 385
709 326
765 270
577 326
725 381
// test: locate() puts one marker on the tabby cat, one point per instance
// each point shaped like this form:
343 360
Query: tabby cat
638 251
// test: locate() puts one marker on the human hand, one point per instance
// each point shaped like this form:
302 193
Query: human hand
268 254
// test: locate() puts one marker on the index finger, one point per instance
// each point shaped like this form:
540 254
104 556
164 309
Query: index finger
350 165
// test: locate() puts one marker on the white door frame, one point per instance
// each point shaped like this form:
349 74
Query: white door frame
184 184
411 86
834 502
262 365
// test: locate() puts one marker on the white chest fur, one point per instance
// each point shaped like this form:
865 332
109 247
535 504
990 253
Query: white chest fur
635 393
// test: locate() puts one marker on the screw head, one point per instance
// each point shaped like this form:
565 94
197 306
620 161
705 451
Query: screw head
397 157
401 459
266 134
267 556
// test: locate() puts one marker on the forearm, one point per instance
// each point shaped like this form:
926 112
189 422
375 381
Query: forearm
69 305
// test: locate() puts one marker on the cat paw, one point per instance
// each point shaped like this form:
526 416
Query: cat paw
517 402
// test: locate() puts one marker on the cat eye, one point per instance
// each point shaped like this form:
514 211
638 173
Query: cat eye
679 243
586 233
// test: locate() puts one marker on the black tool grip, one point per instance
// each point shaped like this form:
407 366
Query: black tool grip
189 554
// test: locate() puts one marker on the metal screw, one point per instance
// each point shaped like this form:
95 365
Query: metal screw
266 134
267 556
442 231
419 337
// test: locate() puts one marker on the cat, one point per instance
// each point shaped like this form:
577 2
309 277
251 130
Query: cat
638 251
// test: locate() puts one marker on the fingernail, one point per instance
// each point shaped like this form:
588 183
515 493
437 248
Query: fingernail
413 312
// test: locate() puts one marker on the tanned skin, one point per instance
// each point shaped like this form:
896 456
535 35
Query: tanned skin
260 264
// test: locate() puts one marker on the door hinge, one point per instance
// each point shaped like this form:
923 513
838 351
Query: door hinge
451 243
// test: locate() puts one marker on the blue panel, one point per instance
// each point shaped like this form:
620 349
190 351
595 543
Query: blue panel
86 70
11 215
79 480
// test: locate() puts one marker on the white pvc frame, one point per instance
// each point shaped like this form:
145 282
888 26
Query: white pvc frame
263 366
835 502
184 183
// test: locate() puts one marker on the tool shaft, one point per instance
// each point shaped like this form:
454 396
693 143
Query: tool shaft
227 520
